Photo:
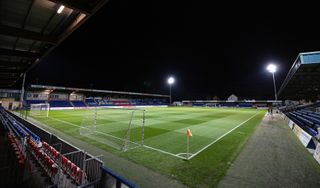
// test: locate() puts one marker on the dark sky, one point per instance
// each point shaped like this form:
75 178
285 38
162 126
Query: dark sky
211 49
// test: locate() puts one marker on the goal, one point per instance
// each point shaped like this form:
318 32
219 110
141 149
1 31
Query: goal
41 109
119 128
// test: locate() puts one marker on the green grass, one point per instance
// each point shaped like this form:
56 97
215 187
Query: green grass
165 130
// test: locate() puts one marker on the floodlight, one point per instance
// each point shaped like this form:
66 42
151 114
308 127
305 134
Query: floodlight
171 80
272 68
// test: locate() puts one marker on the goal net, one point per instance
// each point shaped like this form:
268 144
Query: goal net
119 128
40 110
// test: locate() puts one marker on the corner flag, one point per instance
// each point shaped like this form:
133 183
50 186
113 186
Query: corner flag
189 133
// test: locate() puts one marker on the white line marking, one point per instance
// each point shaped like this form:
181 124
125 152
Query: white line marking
159 150
225 134
162 151
183 154
94 131
134 147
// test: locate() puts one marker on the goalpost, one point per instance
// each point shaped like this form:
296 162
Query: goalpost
41 109
89 122
119 128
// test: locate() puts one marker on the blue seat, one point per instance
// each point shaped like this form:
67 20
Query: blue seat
306 121
60 104
78 104
91 102
316 115
29 102
313 119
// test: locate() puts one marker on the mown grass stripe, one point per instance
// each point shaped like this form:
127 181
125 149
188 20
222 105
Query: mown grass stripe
201 150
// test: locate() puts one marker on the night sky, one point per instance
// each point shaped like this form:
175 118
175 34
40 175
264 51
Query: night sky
211 49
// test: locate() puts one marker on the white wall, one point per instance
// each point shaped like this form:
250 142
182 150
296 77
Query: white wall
59 96
37 95
76 97
6 104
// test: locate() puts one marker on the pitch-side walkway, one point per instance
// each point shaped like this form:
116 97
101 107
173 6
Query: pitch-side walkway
273 157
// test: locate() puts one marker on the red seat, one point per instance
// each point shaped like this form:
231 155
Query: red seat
73 171
50 150
46 160
79 175
64 161
45 144
42 156
68 167
56 154
50 163
54 168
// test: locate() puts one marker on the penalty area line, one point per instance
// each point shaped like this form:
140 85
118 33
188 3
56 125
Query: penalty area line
72 124
225 134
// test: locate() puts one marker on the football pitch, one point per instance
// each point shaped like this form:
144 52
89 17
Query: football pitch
163 134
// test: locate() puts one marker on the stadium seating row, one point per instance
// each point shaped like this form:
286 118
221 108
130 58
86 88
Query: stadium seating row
60 104
47 156
51 151
17 150
100 102
61 170
43 159
69 168
49 159
308 120
226 104
78 103
18 128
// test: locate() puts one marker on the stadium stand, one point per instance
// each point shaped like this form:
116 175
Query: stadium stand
302 80
78 97
17 150
61 169
91 102
29 102
63 98
60 104
303 116
229 104
100 101
12 161
121 102
78 103
245 105
30 30
301 91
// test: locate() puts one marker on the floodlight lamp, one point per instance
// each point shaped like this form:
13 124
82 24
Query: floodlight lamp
272 68
171 80
60 9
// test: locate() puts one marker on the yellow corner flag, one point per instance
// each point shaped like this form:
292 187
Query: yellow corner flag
189 133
